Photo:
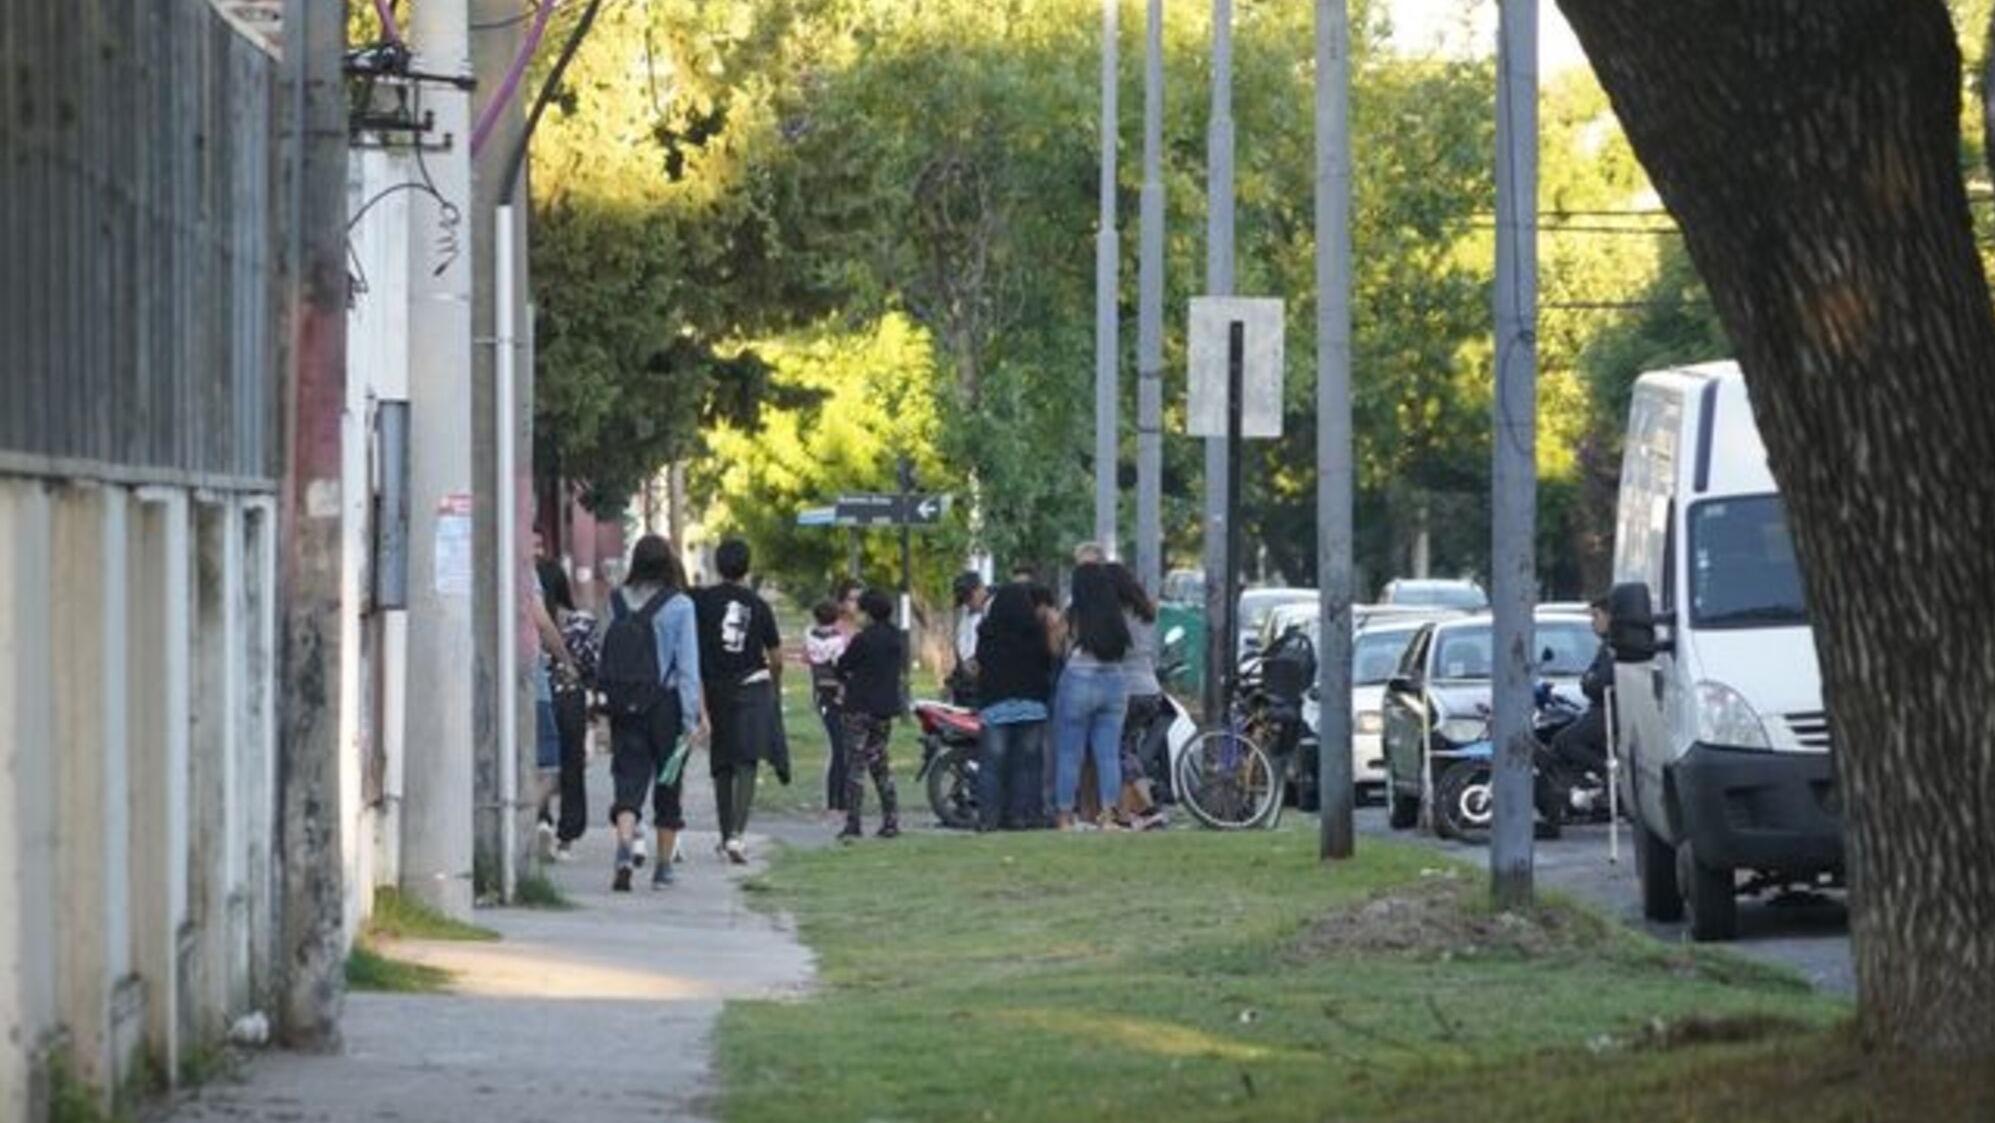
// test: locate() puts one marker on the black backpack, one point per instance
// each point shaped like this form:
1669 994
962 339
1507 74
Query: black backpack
627 671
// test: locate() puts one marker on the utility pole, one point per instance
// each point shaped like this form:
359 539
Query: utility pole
1107 259
312 964
1333 428
906 500
438 782
1150 318
1220 655
1514 476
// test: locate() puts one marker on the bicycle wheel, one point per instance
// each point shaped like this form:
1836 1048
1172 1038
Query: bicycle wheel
1227 781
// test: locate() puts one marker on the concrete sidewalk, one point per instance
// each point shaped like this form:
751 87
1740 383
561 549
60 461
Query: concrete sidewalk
605 1011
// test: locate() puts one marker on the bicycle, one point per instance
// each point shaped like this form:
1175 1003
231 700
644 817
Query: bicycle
1227 781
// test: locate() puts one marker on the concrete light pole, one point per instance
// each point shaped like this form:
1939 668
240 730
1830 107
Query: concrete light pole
1107 251
1514 479
437 794
1150 317
1333 426
1219 648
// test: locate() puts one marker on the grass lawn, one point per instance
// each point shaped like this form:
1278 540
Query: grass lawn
1187 975
370 966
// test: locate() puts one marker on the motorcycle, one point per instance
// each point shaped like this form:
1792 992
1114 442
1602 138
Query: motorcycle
949 749
950 752
1464 796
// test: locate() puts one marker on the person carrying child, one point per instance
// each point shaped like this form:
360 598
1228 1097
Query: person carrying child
870 671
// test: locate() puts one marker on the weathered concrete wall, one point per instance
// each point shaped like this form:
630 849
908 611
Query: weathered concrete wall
135 771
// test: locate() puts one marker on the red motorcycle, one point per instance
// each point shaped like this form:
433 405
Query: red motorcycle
949 750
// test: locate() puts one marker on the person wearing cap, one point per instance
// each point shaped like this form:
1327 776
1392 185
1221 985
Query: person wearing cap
972 597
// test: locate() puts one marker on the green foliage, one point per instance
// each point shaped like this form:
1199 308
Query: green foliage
399 917
369 970
538 891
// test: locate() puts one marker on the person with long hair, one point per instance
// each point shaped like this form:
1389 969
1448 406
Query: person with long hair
570 683
647 719
1146 693
1088 710
1015 682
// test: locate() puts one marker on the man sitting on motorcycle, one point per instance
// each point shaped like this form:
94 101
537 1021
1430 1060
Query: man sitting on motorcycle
1582 746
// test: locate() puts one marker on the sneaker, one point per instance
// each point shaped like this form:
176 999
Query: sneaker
637 852
544 840
889 830
621 883
564 851
736 852
662 877
851 833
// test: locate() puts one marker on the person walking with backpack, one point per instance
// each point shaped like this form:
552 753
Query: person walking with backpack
741 667
871 672
650 676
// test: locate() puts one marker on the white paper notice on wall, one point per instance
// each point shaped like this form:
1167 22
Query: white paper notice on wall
453 546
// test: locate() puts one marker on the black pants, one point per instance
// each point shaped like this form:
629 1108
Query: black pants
733 796
571 718
1582 746
834 770
639 747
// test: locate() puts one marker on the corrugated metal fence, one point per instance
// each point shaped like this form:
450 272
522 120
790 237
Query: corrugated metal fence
139 199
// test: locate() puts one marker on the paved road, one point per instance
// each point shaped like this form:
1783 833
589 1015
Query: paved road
603 1012
1810 936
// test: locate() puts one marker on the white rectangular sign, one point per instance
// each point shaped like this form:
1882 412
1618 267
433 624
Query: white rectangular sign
1212 318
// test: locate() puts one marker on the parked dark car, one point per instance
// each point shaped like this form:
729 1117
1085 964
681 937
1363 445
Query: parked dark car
1438 698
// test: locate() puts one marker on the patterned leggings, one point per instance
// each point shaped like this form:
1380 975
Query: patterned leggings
866 752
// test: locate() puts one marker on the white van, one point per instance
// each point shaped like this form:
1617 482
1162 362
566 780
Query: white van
1719 720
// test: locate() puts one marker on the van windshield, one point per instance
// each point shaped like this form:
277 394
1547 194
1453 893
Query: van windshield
1742 568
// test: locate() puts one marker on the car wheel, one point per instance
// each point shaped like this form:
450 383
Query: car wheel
1464 807
1712 895
1655 866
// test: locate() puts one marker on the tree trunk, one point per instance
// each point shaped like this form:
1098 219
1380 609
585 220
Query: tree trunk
1810 151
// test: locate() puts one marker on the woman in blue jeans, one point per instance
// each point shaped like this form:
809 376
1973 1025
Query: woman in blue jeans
1014 659
1093 695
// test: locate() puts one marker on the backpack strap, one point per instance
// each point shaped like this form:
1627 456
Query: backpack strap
656 602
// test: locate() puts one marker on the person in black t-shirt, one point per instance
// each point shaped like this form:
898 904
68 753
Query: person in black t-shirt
871 672
741 663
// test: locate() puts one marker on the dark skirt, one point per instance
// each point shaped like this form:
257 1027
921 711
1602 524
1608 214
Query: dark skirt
744 724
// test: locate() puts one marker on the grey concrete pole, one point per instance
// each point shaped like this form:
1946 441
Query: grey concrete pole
1107 254
1219 649
1514 479
437 792
1333 426
308 827
1150 317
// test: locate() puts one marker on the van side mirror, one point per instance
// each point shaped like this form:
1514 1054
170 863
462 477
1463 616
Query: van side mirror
1402 684
1632 629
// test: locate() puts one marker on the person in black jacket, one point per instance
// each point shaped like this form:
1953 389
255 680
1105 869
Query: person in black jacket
871 672
1582 746
1015 682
